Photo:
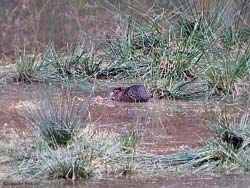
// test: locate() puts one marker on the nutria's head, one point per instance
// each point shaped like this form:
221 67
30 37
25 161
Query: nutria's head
117 93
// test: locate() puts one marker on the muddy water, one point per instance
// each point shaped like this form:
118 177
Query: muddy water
232 181
164 126
177 182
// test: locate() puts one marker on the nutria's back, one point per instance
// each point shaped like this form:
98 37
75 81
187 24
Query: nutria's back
135 93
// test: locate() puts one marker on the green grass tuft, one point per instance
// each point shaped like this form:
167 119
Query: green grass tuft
58 117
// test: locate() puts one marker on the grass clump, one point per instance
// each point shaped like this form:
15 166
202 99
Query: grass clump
69 147
224 80
60 66
233 37
228 150
26 68
58 117
130 139
88 153
68 65
77 159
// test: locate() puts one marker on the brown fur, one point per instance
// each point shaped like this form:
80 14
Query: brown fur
135 93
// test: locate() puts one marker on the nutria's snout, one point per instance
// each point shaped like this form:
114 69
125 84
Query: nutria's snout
135 93
116 93
112 97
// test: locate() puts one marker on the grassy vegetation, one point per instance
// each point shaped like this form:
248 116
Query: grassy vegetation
26 68
90 153
198 60
176 55
69 147
229 149
189 56
63 67
58 117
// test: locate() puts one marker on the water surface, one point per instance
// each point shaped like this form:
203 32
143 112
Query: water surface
165 126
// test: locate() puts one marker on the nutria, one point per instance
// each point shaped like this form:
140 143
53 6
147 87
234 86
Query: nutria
135 93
